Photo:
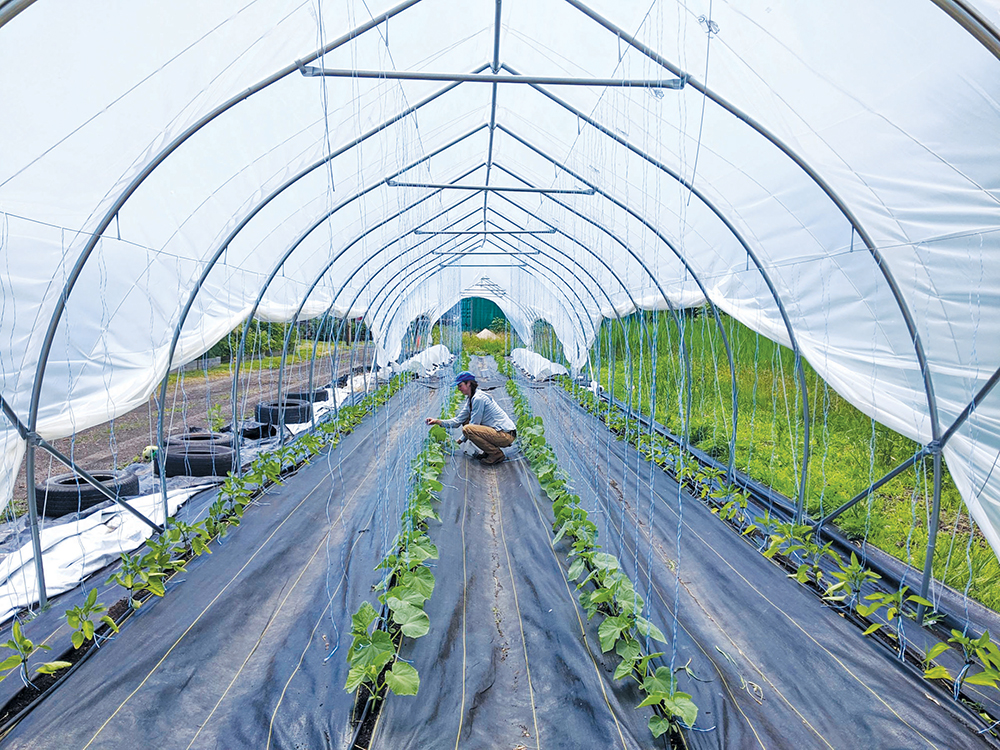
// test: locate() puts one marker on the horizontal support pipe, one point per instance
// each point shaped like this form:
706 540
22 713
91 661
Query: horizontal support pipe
492 189
83 474
478 252
486 231
872 487
455 264
311 71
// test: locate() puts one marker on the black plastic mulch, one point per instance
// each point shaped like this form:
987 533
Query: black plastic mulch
510 661
235 656
781 670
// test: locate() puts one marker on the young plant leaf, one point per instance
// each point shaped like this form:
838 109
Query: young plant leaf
937 673
647 628
658 725
403 679
413 621
50 667
937 650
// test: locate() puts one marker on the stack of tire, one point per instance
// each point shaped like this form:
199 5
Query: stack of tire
69 493
196 454
288 411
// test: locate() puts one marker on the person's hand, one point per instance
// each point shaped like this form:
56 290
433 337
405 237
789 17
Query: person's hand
431 420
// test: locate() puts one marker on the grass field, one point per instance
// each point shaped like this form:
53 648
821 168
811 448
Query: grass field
849 450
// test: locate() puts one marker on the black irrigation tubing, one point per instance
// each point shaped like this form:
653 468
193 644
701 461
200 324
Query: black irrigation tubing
766 497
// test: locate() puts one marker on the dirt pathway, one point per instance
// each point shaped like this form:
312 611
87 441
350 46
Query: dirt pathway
121 442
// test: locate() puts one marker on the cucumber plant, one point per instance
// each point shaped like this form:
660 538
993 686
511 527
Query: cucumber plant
604 588
407 582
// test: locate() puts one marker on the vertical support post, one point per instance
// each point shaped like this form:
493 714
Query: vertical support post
925 584
36 540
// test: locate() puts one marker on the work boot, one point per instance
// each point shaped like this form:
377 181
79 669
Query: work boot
494 460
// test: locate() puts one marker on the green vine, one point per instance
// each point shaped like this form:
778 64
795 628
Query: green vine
406 584
604 588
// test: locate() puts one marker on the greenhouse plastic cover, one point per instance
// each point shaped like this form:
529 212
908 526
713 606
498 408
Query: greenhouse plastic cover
76 549
828 175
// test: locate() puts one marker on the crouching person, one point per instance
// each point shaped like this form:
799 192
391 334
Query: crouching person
483 423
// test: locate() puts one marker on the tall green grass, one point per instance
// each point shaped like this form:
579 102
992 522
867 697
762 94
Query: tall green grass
487 347
849 450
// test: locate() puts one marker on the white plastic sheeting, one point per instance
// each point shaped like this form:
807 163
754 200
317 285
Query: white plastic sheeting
72 551
427 361
536 365
829 174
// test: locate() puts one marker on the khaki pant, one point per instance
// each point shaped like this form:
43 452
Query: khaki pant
488 440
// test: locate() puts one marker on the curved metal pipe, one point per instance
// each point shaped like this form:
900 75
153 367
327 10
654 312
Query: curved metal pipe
684 352
155 162
294 246
781 308
815 177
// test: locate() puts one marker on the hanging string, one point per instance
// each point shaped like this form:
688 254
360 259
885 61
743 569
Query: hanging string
652 464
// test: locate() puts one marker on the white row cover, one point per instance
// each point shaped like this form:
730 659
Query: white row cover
426 362
74 550
829 176
536 365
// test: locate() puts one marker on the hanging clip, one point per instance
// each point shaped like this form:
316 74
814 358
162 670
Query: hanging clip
710 26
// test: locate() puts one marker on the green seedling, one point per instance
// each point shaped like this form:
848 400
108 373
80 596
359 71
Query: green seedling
982 649
23 648
604 587
677 708
193 538
893 604
135 577
370 653
80 619
850 578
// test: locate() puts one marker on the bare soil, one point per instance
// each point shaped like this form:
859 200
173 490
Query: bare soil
116 444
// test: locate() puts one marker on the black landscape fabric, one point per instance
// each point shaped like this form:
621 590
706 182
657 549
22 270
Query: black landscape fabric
248 648
775 668
236 654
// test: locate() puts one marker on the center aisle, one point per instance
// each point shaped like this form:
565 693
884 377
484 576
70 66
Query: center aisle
510 660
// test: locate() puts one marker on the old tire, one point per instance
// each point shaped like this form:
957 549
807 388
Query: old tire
320 394
69 493
191 460
201 438
286 412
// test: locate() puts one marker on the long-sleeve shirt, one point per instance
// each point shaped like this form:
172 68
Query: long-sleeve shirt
484 411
